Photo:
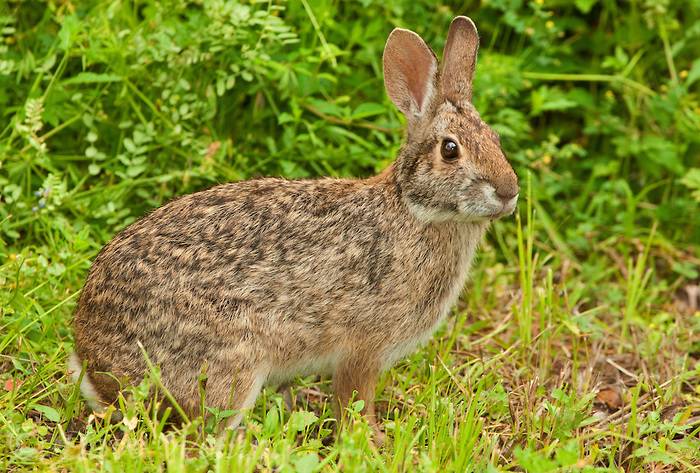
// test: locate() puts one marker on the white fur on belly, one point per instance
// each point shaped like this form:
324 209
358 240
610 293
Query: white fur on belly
323 365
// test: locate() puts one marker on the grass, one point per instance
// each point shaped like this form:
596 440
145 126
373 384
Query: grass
530 372
576 344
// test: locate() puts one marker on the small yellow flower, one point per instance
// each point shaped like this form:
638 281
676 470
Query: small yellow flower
609 94
546 159
549 24
683 74
13 256
539 2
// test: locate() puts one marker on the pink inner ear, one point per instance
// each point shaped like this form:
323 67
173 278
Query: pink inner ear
418 71
409 71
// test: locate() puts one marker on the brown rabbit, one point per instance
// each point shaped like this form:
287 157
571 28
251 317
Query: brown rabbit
267 279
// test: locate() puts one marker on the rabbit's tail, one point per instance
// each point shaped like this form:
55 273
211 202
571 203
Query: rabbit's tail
77 373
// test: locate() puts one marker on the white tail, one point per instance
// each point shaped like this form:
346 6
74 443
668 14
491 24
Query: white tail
75 367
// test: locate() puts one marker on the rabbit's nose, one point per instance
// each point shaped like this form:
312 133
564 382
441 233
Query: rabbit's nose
507 194
506 186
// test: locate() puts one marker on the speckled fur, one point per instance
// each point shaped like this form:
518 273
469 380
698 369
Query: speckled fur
265 279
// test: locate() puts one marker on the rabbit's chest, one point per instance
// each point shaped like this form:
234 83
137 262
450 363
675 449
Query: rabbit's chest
433 294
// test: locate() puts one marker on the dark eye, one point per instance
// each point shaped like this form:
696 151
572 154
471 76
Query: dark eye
449 150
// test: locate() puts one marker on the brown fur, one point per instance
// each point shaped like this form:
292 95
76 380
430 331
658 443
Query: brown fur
265 279
459 60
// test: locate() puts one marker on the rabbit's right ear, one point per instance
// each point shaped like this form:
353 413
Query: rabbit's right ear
459 60
410 69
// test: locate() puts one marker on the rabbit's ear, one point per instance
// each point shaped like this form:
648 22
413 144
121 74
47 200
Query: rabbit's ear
410 68
459 60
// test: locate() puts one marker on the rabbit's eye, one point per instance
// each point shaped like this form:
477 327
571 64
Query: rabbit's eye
449 150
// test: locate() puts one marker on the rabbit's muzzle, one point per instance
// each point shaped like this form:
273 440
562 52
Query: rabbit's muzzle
482 200
498 202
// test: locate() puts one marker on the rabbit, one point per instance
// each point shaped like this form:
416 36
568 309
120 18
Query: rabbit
264 280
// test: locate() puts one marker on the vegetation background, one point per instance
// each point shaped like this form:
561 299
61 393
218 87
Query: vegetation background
577 343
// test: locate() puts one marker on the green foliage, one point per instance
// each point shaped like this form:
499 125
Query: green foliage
109 109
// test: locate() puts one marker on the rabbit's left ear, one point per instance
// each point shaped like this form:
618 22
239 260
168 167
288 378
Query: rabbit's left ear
459 60
410 68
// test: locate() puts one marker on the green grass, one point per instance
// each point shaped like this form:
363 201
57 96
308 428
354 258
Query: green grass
494 389
576 344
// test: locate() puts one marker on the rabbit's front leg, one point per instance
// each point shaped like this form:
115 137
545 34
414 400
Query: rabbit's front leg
238 393
359 375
